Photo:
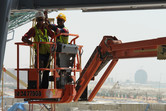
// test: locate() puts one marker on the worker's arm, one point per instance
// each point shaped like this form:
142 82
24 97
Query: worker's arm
53 27
63 30
48 26
58 30
29 34
50 32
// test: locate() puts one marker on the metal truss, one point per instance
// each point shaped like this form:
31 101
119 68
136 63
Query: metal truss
19 18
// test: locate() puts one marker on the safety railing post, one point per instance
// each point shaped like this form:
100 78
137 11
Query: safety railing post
38 65
18 66
55 72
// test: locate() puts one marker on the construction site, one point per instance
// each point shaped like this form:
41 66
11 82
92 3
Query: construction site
89 66
111 97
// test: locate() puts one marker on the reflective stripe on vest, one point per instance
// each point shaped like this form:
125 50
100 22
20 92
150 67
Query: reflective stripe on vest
62 38
40 37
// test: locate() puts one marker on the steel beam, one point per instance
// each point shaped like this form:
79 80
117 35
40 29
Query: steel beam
5 6
64 4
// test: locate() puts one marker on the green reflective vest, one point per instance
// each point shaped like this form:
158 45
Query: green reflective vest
40 37
62 38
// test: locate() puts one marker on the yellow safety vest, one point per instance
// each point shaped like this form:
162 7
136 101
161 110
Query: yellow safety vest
62 39
40 37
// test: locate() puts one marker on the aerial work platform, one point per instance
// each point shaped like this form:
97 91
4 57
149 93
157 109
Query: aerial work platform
67 87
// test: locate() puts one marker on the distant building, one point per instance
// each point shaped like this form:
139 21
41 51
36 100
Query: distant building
141 76
128 81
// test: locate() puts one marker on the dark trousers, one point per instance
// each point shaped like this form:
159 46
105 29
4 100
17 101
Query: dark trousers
43 63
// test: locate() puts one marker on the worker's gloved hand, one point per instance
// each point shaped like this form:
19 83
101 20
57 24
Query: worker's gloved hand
29 42
25 40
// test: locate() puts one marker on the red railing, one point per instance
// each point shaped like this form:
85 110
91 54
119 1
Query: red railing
54 70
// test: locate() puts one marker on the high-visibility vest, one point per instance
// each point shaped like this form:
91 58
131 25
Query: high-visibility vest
40 37
62 38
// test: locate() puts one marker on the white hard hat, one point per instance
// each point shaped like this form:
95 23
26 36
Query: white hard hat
39 14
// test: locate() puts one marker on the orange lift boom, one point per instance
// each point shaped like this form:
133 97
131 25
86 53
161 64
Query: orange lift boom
113 49
110 48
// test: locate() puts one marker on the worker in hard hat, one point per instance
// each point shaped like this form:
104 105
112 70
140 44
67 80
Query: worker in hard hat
60 28
40 33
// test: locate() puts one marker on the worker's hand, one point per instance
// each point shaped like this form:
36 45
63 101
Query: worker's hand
29 42
46 18
46 14
58 31
25 40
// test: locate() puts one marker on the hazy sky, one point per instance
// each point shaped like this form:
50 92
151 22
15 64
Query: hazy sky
92 26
